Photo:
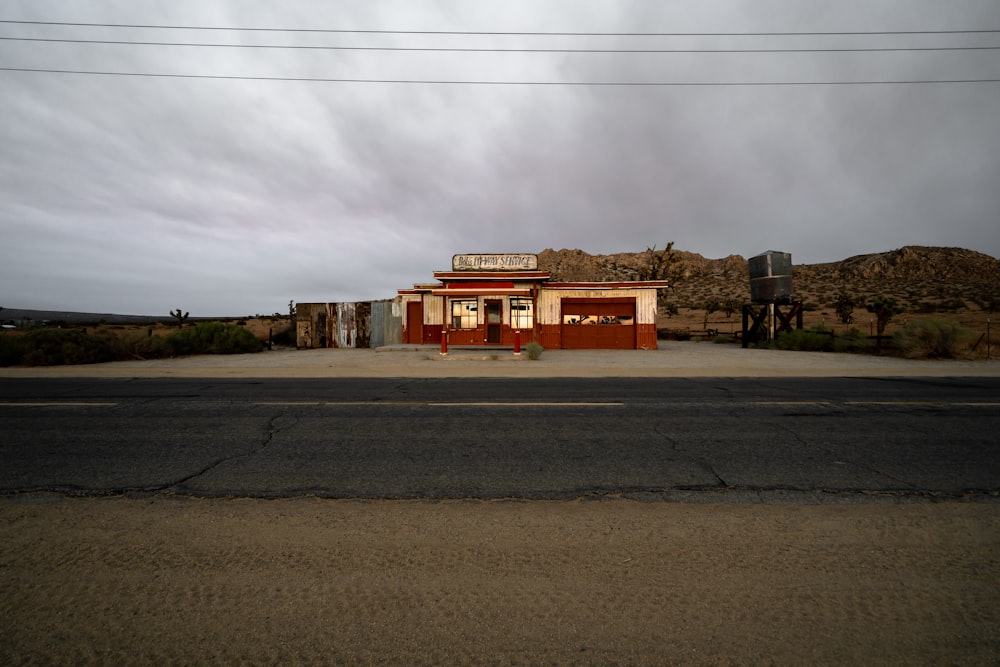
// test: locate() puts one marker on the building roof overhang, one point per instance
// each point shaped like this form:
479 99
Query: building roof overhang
632 284
481 288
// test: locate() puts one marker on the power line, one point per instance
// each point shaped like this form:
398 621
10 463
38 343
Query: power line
498 50
649 84
497 33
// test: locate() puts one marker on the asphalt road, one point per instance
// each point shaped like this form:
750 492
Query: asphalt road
498 438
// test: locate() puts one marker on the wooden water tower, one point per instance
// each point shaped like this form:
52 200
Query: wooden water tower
772 304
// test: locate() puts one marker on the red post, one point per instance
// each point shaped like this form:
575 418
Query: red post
517 343
444 341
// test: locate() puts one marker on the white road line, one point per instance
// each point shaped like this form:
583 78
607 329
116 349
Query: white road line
58 404
917 403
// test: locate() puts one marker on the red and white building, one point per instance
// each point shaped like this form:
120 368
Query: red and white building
488 299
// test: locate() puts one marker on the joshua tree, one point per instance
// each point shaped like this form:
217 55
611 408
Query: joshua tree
711 306
845 304
730 306
179 316
884 308
291 310
661 265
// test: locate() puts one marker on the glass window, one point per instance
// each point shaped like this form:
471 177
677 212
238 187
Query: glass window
463 313
522 313
626 320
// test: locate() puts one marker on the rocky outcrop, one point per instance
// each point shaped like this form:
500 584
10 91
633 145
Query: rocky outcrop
917 275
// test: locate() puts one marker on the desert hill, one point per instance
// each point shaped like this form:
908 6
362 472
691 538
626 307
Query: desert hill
923 279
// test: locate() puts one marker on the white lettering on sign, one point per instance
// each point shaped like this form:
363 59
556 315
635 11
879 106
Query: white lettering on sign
504 262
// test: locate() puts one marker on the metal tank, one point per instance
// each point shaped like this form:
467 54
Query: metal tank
771 277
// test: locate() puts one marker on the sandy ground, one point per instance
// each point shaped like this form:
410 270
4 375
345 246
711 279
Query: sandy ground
672 359
173 580
307 581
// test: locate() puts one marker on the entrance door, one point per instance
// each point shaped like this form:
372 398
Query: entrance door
414 322
493 321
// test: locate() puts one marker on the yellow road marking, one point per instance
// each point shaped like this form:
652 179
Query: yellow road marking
894 403
506 404
287 403
792 403
502 404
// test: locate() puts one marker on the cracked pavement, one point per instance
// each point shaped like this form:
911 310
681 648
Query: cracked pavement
502 438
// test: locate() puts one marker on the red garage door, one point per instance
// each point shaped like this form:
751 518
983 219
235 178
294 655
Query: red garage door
598 324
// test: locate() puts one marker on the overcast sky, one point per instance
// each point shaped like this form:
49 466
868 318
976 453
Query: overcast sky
138 195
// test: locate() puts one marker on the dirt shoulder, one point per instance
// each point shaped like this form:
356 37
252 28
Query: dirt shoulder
672 359
309 581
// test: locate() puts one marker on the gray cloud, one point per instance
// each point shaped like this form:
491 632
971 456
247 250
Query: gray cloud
231 197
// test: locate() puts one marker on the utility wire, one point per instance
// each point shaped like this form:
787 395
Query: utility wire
545 34
650 84
501 50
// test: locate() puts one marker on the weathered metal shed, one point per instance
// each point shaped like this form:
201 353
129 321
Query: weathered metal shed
348 324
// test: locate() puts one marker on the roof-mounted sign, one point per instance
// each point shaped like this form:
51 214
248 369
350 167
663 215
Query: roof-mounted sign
501 262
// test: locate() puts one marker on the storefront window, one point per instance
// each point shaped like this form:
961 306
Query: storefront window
522 315
463 313
626 320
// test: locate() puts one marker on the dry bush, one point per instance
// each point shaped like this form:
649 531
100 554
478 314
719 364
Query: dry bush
932 339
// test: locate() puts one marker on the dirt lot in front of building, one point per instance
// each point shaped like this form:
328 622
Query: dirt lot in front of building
671 359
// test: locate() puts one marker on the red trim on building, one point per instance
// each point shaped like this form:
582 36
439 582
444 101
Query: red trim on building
481 292
639 284
645 336
477 286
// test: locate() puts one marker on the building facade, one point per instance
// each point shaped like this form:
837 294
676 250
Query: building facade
491 299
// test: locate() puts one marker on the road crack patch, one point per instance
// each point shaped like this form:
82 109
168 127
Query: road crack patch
275 425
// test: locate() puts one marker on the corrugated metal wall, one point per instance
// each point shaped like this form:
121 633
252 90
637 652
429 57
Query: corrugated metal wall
349 324
346 332
433 312
386 323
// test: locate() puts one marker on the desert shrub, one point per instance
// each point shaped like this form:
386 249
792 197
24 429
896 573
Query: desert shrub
954 304
534 350
212 338
852 340
57 347
284 338
931 338
817 339
136 345
11 350
721 339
